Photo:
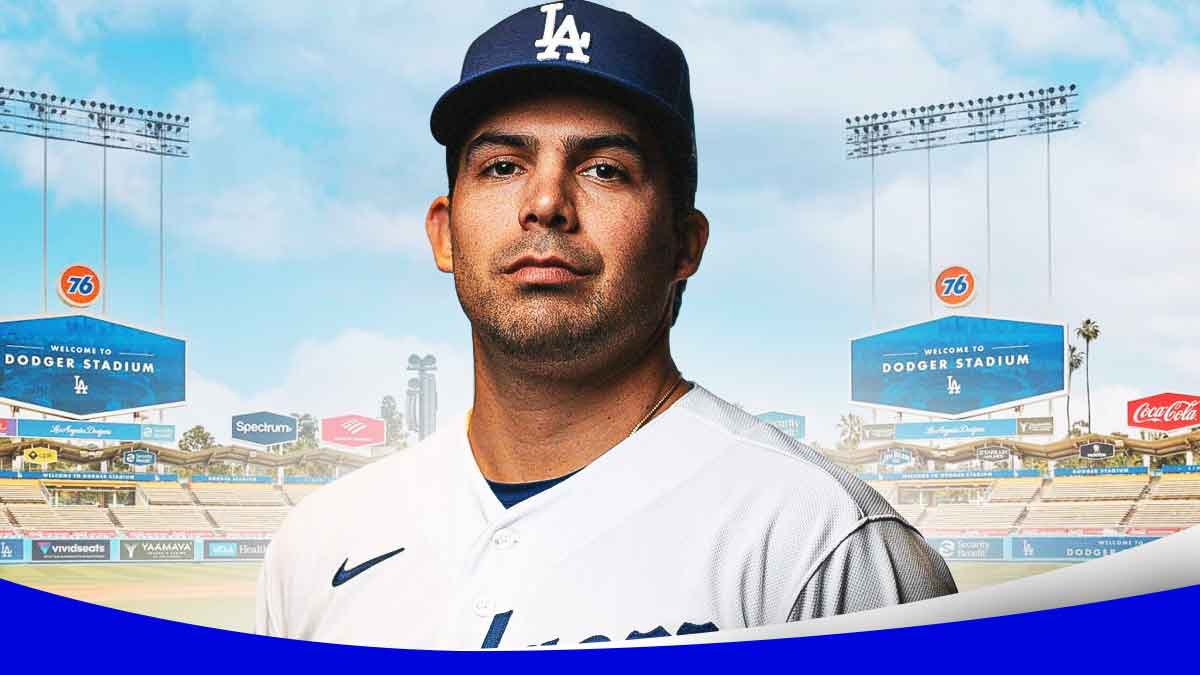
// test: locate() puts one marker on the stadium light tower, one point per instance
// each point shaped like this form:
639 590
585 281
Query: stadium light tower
422 395
1041 112
54 117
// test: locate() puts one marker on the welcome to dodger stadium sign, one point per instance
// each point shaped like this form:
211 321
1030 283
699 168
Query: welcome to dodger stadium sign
82 367
959 366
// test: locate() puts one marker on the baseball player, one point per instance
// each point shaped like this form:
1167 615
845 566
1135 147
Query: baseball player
592 493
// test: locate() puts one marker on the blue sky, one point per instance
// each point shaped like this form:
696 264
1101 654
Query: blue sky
297 265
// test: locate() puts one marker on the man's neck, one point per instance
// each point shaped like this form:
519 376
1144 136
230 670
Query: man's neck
526 428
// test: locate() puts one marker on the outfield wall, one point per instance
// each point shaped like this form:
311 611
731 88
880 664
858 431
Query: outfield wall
1033 548
1016 548
26 550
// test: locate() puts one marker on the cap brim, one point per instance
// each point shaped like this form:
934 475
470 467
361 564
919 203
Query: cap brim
464 103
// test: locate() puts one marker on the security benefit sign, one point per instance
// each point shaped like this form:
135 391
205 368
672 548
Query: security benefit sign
959 366
82 367
265 428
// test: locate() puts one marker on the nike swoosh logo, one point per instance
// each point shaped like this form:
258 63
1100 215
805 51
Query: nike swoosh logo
343 575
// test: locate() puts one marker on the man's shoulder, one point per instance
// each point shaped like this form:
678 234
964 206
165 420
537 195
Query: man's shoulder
770 461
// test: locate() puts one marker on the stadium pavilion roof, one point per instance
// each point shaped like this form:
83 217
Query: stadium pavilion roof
76 454
1062 449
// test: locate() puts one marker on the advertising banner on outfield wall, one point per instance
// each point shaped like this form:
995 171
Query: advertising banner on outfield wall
1072 548
968 548
157 549
62 550
12 550
235 549
981 428
959 366
82 367
96 431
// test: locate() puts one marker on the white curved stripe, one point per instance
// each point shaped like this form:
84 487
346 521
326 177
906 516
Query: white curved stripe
1170 562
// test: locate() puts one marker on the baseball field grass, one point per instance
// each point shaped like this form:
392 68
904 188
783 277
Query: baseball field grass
221 595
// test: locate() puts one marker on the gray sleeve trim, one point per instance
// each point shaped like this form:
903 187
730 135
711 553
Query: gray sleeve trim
918 574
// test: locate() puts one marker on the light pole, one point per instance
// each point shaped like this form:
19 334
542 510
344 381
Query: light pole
422 395
55 117
1044 111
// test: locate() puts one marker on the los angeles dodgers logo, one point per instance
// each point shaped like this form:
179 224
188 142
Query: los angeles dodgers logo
567 35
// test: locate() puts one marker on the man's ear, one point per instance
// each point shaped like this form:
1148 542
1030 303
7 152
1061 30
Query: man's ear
693 233
437 228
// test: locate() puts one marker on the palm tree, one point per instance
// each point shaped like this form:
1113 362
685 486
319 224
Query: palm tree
850 429
1088 331
1074 363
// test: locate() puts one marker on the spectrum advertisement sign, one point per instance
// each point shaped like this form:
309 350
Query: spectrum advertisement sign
959 366
82 367
265 428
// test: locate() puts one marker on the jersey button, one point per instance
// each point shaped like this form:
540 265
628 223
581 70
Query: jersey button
483 606
504 538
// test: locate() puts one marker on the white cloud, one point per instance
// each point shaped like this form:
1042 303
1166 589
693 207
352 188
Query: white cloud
348 373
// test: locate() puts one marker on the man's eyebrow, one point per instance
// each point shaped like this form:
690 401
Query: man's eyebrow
583 144
499 139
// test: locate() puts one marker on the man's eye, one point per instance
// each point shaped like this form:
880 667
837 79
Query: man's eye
502 169
604 172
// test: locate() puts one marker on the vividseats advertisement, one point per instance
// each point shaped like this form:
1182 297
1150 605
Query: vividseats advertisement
600 335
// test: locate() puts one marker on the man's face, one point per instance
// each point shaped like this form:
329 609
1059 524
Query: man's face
563 243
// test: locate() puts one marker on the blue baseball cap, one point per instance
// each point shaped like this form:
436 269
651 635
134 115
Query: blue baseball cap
584 46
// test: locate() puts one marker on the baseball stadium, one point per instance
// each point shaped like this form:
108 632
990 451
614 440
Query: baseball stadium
183 544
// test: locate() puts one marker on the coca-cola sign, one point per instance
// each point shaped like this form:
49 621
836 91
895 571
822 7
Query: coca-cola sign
1165 412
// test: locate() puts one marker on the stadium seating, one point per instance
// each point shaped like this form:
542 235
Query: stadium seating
93 520
1177 486
972 517
1166 514
911 512
162 519
165 494
1015 489
885 488
259 519
17 491
1076 515
297 491
1080 488
237 494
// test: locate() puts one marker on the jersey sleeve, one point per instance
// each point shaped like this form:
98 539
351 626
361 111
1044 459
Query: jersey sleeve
882 562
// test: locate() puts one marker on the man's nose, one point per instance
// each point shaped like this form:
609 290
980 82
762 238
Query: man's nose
548 202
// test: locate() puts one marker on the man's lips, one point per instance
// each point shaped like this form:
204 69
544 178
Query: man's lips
543 271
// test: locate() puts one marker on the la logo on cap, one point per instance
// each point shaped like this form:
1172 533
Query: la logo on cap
567 35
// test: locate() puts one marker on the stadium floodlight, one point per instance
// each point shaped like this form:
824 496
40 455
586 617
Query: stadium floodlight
1048 110
106 125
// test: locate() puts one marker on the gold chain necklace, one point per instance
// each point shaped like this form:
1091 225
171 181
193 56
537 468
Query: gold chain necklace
661 401
639 425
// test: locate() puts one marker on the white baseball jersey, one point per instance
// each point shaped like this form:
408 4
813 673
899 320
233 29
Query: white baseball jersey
705 519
